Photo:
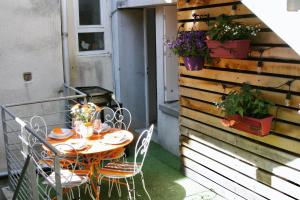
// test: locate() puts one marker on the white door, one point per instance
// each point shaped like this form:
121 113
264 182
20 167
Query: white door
170 60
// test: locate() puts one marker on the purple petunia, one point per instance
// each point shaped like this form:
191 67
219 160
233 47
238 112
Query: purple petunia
189 44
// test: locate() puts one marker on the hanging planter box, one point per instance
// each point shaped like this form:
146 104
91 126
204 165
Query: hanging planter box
251 125
193 63
229 49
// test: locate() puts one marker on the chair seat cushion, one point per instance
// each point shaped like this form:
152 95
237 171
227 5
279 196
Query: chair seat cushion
120 169
68 178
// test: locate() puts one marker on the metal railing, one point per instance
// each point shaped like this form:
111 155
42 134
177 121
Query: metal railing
30 158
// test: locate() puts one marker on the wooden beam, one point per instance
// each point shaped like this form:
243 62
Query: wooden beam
211 185
235 77
278 112
193 3
273 140
252 65
204 26
232 174
260 149
214 12
215 86
191 136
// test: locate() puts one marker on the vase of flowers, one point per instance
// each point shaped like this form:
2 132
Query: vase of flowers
82 118
192 47
227 39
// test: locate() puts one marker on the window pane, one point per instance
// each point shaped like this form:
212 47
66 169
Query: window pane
91 41
89 12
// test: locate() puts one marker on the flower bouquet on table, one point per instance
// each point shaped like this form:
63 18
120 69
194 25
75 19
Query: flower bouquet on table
247 110
83 118
192 47
227 39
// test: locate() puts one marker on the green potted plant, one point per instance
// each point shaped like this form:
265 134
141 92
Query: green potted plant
227 39
246 110
192 47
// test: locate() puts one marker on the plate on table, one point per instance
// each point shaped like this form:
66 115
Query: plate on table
116 137
71 145
61 133
77 144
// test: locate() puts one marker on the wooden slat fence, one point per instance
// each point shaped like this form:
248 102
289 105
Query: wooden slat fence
235 164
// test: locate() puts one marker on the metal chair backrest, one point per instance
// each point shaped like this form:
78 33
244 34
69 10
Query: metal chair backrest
68 163
39 126
119 118
141 148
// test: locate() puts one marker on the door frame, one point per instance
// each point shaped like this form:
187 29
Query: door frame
146 66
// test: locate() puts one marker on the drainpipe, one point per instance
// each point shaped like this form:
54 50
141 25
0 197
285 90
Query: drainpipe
64 38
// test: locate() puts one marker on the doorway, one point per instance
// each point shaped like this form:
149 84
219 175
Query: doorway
150 65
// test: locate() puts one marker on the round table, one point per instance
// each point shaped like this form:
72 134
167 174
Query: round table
96 143
97 147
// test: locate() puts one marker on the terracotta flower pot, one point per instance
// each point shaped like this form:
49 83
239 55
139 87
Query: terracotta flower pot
229 49
193 63
252 125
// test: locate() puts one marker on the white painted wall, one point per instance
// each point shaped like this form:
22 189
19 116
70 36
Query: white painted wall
92 70
30 41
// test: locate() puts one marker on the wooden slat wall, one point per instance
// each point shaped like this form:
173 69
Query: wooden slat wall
235 164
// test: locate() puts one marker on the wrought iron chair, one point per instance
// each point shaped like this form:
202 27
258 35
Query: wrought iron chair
70 174
71 177
127 170
119 118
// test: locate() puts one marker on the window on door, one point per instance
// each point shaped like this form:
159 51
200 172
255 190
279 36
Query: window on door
91 28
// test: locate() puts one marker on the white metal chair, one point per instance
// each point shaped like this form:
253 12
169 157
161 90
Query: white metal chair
71 177
120 118
127 170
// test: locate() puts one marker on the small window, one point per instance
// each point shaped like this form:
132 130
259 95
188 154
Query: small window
89 12
91 26
91 41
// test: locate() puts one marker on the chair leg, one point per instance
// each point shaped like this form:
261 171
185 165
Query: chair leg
99 186
133 187
128 188
110 186
144 186
119 189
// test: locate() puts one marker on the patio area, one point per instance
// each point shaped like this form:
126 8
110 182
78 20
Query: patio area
209 89
163 180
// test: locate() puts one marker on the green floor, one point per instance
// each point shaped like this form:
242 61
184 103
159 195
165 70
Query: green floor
164 180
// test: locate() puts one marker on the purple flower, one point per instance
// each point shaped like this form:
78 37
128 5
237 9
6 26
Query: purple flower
189 43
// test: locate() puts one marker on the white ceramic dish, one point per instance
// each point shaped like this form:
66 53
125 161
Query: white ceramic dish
65 134
77 144
115 137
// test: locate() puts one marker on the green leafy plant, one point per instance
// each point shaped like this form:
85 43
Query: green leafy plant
246 102
224 29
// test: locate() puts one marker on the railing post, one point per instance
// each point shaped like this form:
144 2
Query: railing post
33 179
59 191
4 128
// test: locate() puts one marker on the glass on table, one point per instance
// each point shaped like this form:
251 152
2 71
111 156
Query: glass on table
97 125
